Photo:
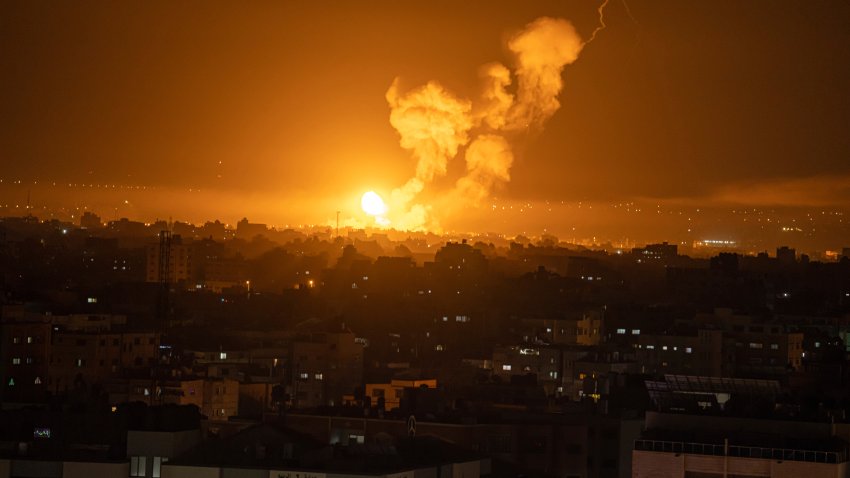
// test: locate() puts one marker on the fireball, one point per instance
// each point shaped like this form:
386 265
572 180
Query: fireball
372 204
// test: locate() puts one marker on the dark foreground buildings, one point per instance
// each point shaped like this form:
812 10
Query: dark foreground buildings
254 352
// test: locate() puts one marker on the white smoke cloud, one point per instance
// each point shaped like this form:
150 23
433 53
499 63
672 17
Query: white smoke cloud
434 124
542 51
488 163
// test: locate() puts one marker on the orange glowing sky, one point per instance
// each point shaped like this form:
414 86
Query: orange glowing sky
278 110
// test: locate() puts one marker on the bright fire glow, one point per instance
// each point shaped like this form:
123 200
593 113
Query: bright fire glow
372 204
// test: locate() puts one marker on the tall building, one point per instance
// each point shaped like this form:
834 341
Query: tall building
182 263
24 358
324 367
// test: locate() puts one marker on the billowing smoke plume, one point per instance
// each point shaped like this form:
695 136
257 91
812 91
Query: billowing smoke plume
542 50
434 124
488 163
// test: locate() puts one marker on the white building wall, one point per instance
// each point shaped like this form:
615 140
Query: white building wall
177 471
73 469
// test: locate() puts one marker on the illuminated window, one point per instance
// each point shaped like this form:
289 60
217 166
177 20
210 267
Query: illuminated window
635 331
774 346
16 340
506 367
16 361
688 350
138 465
318 376
663 347
29 340
304 375
621 331
222 356
439 348
650 347
755 345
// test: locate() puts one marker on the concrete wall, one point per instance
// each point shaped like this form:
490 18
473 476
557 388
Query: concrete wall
243 473
469 469
166 444
650 464
176 471
73 469
39 469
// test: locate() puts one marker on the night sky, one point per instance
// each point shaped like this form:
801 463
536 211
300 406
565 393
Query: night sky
281 107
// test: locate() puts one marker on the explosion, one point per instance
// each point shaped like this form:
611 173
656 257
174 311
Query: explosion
372 204
435 125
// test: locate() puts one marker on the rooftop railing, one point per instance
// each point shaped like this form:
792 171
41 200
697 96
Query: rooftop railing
739 451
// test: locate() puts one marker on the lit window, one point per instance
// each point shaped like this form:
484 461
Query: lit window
304 375
817 344
650 347
688 350
92 300
755 345
663 347
29 360
506 367
318 376
37 381
635 331
774 346
222 356
16 361
29 340
621 331
138 465
439 348
16 340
